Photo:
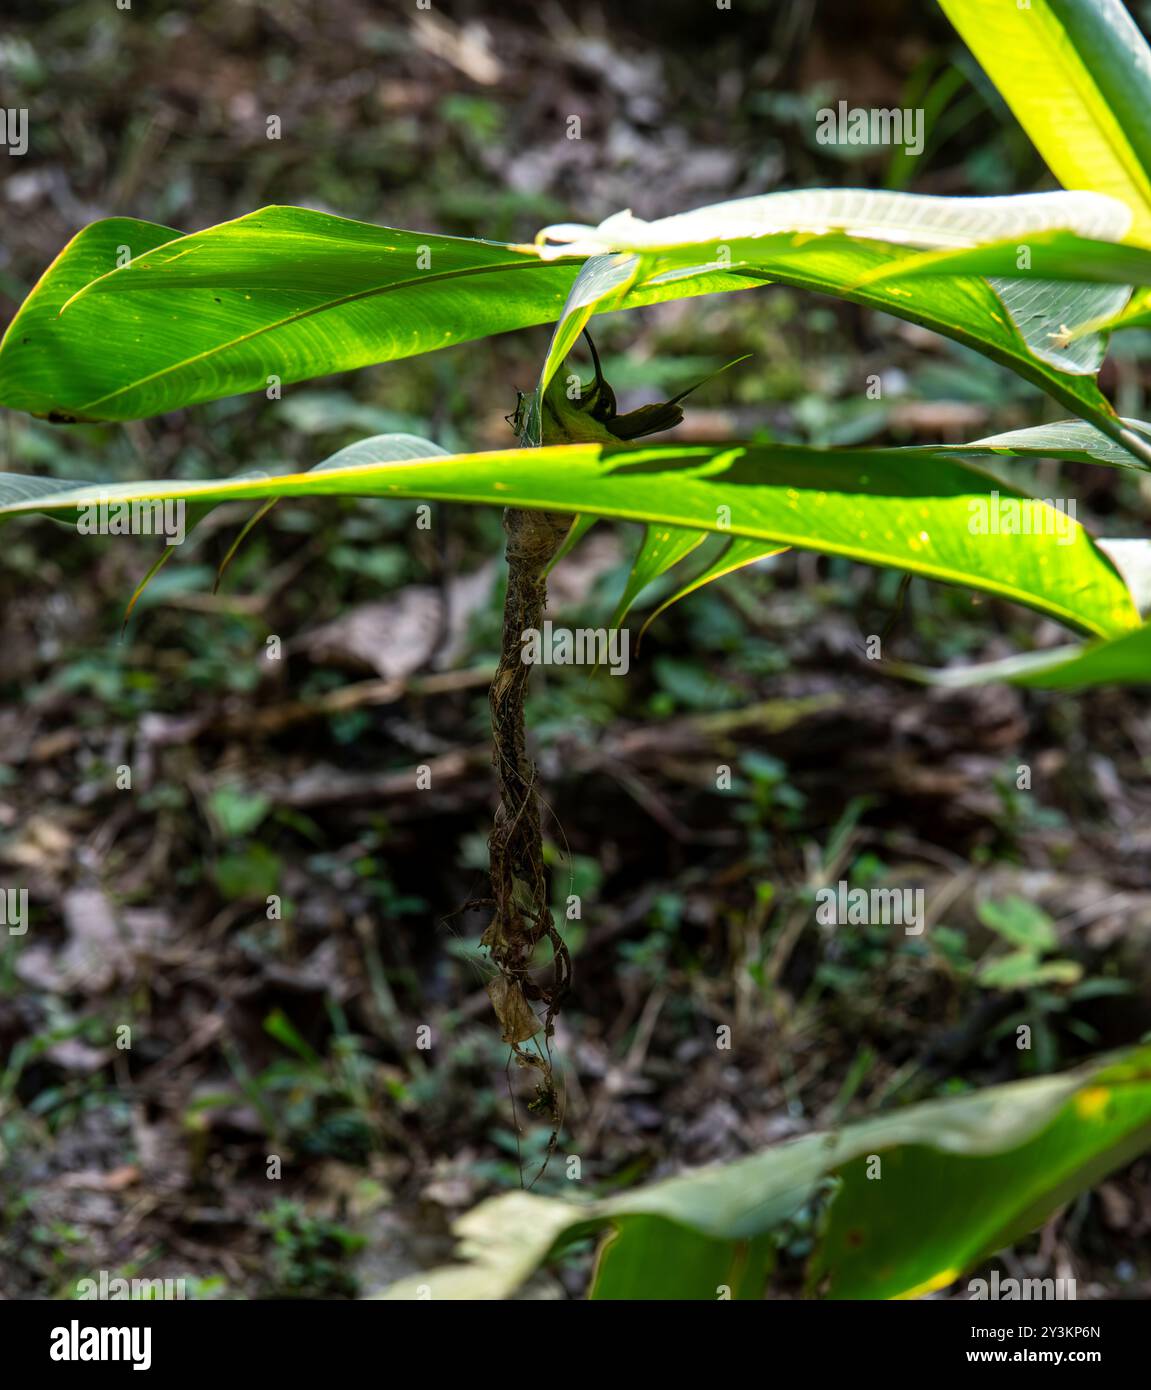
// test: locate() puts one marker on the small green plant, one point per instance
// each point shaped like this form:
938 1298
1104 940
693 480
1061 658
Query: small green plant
1031 935
309 1254
1050 984
320 1106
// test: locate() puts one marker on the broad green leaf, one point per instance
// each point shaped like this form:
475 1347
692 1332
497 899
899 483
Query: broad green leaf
1124 660
43 369
912 509
1045 258
283 292
960 1178
754 1194
1032 331
936 1210
291 293
1077 74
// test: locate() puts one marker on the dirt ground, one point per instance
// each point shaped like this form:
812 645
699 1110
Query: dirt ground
297 1037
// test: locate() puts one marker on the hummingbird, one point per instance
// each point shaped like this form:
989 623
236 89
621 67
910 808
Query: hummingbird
593 417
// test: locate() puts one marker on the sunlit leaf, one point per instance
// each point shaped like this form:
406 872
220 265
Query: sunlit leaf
1077 74
911 509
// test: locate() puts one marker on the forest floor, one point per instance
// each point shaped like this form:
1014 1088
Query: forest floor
301 1037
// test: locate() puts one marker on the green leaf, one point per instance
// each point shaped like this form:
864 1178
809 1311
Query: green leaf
1074 440
278 1025
1124 660
1033 331
910 509
580 526
941 1207
283 292
736 555
662 548
1077 74
650 1258
236 811
44 369
1050 256
1034 256
1021 922
1023 970
958 1179
251 872
293 294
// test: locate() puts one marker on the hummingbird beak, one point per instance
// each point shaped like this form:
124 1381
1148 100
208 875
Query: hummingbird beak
599 381
599 400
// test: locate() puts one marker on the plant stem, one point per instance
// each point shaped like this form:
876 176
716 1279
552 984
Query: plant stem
522 915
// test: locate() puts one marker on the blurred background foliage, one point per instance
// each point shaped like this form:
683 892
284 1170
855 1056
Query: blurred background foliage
297 1036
